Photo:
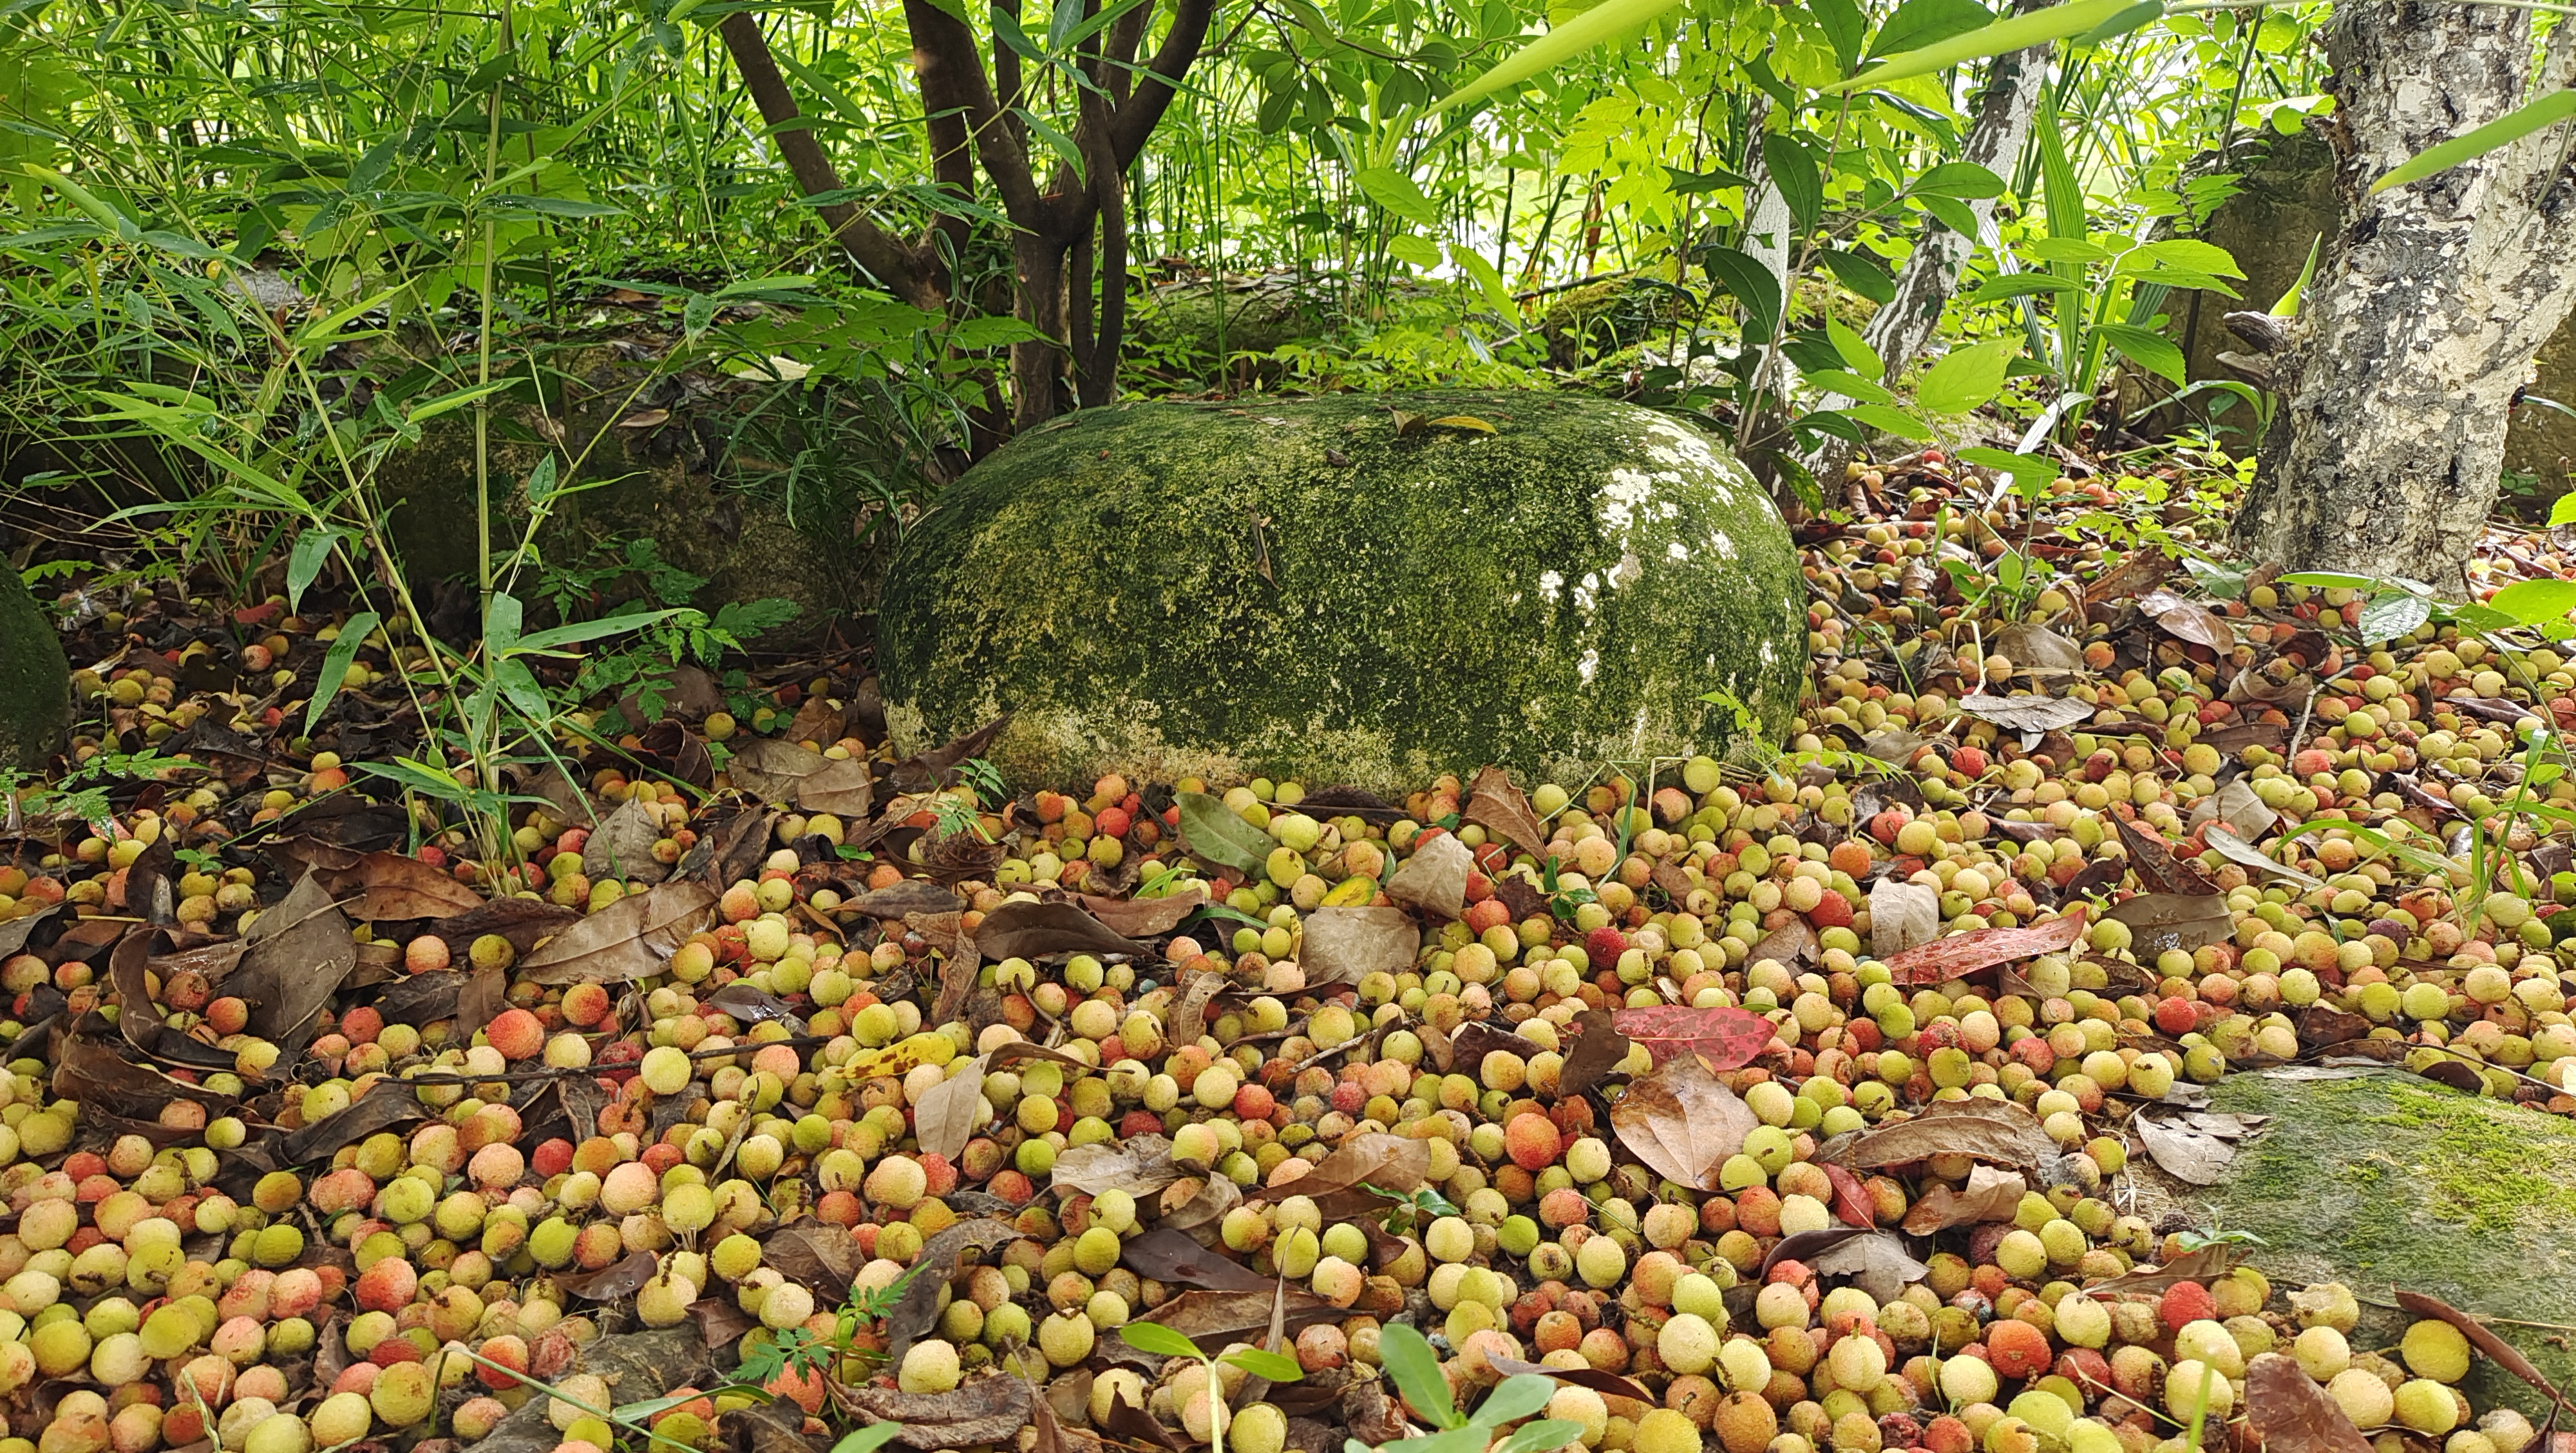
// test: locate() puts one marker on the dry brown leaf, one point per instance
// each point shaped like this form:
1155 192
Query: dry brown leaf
392 886
961 955
938 767
1195 1204
952 1111
2204 1266
381 1106
1139 1165
1990 1195
2189 620
2186 1151
918 1308
1962 954
631 938
2287 1411
1212 1318
1166 1255
842 788
293 960
1338 1182
1434 879
2153 860
1345 945
1031 930
904 899
989 1409
2161 921
2038 649
520 921
1792 945
2243 853
2140 569
1598 1049
1143 917
619 1279
1497 806
2031 714
1876 1261
820 1256
1990 1130
770 767
1902 915
622 847
1188 1018
1681 1122
1608 1384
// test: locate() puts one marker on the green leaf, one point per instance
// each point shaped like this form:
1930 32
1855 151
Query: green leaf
1952 213
1215 832
1889 420
2389 616
1409 1360
448 403
2146 348
2019 285
2288 307
2330 580
1752 285
2531 602
1918 23
2015 32
580 631
1265 1364
519 204
1419 251
867 1439
2019 466
1793 171
1862 273
2505 130
541 481
1514 1398
1692 184
1845 28
1558 46
1962 179
1395 190
1966 379
1536 1437
335 664
1158 1339
2564 511
1489 281
304 565
2136 17
1850 386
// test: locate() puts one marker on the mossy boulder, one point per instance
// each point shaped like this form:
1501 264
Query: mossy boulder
2387 1181
1343 590
1211 321
35 681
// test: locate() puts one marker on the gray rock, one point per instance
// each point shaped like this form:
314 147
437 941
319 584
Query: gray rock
1316 588
35 680
2388 1181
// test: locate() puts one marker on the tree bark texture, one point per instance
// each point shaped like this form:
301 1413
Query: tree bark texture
2006 106
2428 302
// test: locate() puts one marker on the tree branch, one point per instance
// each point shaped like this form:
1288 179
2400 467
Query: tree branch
1135 120
890 262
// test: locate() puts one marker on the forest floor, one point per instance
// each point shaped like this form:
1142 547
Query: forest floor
759 1086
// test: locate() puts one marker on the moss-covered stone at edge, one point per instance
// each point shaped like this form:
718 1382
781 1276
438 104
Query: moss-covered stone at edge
35 681
2387 1181
1297 587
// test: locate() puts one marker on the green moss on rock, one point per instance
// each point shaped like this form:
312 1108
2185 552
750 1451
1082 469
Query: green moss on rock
35 681
2387 1181
1305 588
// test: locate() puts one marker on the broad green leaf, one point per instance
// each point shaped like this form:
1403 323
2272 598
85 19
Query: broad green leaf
541 481
1962 179
1855 350
1918 23
1966 379
1861 272
1566 41
1850 385
580 631
1537 1437
2136 17
1265 1364
511 203
2390 616
1498 294
1215 832
1890 421
1409 1360
1158 1339
2063 249
2531 602
449 403
2505 130
2146 348
2018 466
867 1439
2015 32
2020 285
1419 251
2185 252
1845 28
1952 213
335 665
1793 171
2564 511
304 564
2330 580
1396 191
2288 307
1752 284
1516 1397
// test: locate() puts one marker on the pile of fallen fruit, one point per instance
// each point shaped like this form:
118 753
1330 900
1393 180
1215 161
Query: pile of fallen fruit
762 1087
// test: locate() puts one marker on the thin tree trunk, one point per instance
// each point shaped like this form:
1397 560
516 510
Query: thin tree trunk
2428 302
1900 328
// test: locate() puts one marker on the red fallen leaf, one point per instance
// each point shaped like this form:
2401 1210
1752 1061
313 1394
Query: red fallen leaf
1729 1039
258 615
1850 1201
1959 956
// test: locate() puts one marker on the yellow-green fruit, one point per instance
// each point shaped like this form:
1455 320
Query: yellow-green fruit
2428 1407
930 1366
1687 1344
403 1394
1095 1251
277 1245
1258 1428
170 1331
1663 1430
279 1433
2183 1391
343 1417
60 1347
1066 1338
2435 1349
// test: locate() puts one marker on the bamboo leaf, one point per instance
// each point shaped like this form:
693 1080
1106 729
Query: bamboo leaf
2017 32
2505 130
1558 46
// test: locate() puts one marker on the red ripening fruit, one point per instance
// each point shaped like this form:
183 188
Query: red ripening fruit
2018 1349
2186 1302
1112 822
1604 945
1832 910
1488 914
1532 1141
2178 1015
1971 760
1849 858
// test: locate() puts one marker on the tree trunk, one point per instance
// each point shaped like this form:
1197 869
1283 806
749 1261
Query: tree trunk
2428 302
1900 328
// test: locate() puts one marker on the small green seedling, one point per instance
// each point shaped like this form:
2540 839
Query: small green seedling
1411 1208
1415 1368
1162 1341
